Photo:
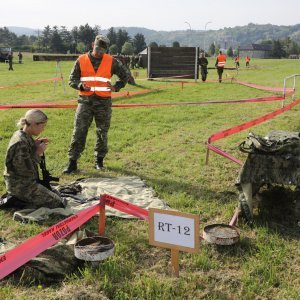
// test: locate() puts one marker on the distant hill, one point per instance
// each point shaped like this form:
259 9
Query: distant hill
23 30
226 37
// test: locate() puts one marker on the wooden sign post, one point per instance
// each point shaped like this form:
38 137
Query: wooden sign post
175 230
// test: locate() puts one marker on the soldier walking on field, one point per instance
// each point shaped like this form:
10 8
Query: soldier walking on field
91 76
220 64
10 61
203 62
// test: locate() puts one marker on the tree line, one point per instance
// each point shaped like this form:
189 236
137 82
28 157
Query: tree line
79 39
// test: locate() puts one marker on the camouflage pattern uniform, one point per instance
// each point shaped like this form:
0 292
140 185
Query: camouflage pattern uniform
21 174
93 106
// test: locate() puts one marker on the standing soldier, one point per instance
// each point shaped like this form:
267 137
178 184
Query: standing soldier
91 75
220 64
10 61
237 61
203 62
247 58
132 61
20 55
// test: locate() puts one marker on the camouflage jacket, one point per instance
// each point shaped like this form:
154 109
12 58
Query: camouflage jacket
117 69
21 162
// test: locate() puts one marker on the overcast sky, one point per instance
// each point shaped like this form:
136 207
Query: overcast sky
152 14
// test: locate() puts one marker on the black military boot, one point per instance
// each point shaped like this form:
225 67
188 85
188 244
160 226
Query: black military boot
99 163
71 167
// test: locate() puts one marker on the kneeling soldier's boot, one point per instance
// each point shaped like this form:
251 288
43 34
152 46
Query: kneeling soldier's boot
99 163
71 167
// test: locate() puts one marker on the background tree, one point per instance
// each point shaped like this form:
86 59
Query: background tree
176 44
212 49
75 38
87 35
230 52
277 49
46 37
66 38
127 48
112 36
139 43
153 45
56 43
122 37
113 49
294 49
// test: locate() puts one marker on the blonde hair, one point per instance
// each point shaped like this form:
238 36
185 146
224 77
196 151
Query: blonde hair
32 116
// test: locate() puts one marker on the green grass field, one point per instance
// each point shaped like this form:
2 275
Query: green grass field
165 146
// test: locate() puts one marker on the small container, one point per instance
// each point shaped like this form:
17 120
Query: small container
96 248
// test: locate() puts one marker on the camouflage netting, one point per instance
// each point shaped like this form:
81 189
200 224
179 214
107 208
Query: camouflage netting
274 159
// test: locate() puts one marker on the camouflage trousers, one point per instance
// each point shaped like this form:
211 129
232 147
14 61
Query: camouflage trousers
220 72
100 110
32 194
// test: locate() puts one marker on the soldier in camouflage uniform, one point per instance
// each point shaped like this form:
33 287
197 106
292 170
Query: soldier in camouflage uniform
91 75
21 164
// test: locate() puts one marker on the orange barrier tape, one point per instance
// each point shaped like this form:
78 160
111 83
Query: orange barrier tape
265 88
238 128
53 105
31 83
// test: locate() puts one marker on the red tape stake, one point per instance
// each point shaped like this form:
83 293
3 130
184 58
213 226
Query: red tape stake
21 254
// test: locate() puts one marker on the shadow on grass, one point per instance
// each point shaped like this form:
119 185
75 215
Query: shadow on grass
279 211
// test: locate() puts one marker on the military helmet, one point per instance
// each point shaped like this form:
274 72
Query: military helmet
101 41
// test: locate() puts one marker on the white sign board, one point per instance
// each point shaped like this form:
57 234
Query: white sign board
173 229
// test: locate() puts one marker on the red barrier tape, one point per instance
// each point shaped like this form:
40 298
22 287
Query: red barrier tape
21 254
45 105
31 83
125 207
236 129
265 88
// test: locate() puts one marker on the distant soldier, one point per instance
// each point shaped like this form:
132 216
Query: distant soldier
10 61
140 62
20 55
136 61
237 61
247 58
203 62
132 61
220 64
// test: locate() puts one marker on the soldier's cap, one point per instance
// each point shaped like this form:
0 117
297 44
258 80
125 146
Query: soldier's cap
101 41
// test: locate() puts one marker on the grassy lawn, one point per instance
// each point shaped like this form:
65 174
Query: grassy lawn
165 146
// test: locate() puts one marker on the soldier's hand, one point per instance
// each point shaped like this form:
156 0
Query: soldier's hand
40 147
86 87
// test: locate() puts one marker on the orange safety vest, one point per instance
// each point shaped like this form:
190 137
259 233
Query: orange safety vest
98 81
237 59
221 60
248 58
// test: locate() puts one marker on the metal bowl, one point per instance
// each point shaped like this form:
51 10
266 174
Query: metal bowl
94 248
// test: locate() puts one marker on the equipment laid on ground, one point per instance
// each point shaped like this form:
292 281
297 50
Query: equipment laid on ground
222 234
